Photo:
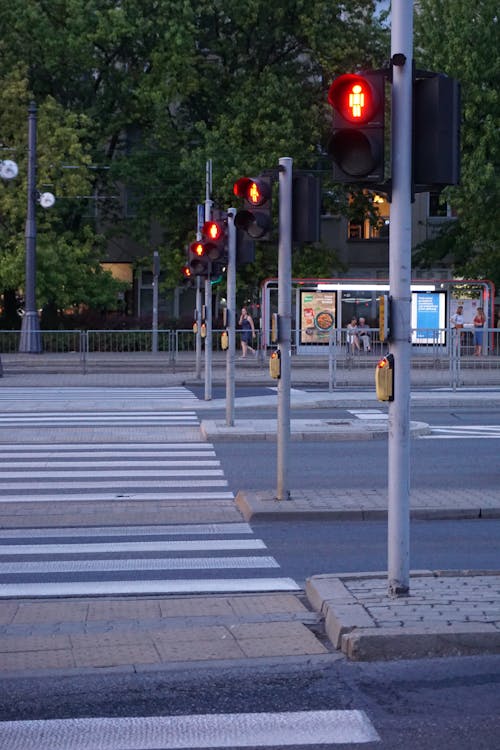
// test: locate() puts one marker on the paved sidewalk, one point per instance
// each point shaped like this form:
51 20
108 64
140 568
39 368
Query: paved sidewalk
448 613
136 634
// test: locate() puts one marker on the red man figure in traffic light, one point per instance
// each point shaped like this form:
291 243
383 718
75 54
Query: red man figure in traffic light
256 217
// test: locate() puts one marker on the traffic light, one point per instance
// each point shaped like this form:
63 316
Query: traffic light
436 131
186 272
198 260
211 248
214 233
356 144
306 208
256 217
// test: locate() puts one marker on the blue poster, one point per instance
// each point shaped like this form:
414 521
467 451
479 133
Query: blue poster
428 317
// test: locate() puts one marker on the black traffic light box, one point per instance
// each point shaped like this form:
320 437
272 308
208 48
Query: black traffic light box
436 131
306 208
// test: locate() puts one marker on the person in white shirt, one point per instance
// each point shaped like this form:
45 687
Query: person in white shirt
364 334
457 319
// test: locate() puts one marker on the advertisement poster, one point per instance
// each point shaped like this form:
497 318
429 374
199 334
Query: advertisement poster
428 320
317 316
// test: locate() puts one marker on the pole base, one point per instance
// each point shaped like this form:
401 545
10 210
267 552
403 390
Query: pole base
31 340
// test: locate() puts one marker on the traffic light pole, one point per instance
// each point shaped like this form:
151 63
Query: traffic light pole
231 316
198 327
285 323
208 291
399 281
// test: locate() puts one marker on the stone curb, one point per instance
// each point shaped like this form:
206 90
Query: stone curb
353 630
303 430
263 505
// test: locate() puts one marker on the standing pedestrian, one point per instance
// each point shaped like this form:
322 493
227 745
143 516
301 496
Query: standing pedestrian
479 321
247 333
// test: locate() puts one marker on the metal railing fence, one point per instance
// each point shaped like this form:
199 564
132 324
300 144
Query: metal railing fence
438 356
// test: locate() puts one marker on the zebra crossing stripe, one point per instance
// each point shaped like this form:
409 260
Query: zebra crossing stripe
88 393
111 547
98 566
113 483
281 729
99 448
127 495
98 418
132 466
137 531
142 587
49 475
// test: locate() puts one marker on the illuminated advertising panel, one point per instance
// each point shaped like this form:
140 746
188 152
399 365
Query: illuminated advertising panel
428 317
317 316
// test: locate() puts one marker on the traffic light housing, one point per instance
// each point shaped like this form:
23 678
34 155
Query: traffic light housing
306 208
357 140
198 260
256 216
436 131
384 378
211 249
214 233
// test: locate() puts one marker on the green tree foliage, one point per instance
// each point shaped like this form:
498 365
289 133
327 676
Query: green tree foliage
67 248
152 89
462 39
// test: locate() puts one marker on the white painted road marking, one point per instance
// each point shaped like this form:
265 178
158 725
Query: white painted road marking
161 546
455 432
193 732
142 587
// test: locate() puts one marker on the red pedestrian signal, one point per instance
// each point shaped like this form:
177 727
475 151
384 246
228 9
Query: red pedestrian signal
357 144
256 217
214 235
198 260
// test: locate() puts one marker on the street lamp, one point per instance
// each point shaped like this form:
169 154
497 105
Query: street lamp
30 341
8 169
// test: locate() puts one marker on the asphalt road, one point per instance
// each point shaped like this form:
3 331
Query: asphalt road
442 461
423 705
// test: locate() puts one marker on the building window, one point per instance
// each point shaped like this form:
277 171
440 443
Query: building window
369 219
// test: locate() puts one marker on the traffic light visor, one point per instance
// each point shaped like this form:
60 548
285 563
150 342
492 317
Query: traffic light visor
213 230
353 97
255 192
198 249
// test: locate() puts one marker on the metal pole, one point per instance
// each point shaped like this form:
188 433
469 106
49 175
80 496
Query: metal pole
285 323
208 291
198 328
30 340
208 340
231 317
400 285
156 276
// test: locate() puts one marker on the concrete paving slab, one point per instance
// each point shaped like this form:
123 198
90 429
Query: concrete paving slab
110 633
